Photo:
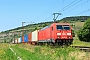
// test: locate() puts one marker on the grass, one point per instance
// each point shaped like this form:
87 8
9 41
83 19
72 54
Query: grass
77 42
79 24
35 52
6 53
31 52
29 55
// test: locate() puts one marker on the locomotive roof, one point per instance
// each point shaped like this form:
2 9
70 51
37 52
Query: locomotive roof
61 23
56 24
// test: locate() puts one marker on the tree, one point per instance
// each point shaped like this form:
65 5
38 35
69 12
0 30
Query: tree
45 25
35 28
5 41
84 33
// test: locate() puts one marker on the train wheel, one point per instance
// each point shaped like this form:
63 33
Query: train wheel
70 42
67 43
40 43
59 43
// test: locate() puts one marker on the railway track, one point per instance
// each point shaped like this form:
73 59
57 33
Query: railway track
83 48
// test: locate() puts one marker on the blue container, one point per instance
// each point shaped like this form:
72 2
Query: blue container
20 39
25 38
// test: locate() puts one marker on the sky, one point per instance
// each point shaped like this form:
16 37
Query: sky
14 12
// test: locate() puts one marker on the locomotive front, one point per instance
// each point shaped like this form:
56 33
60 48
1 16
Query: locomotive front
63 34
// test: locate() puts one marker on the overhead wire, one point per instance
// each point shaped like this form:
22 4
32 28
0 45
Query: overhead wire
47 18
85 11
50 10
67 6
72 5
76 7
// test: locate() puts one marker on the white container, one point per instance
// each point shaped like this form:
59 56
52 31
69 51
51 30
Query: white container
13 42
16 41
19 40
35 36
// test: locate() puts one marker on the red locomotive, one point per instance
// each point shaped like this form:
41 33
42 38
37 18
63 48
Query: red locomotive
57 33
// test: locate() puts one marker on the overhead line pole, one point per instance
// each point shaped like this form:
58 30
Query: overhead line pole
23 26
55 17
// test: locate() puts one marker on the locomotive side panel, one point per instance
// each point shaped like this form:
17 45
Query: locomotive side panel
44 35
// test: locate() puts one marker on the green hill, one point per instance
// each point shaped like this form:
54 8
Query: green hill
31 27
76 18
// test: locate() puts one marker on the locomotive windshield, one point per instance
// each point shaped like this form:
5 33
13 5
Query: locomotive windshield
59 27
64 27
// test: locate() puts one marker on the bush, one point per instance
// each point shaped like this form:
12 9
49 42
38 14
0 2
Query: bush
84 33
73 33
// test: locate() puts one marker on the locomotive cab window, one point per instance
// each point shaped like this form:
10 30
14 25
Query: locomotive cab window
52 28
66 27
59 27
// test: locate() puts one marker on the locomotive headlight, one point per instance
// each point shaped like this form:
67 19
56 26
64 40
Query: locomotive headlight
68 33
58 33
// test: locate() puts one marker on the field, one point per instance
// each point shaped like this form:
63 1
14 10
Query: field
34 52
6 53
77 42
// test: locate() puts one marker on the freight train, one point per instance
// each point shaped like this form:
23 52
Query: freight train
56 33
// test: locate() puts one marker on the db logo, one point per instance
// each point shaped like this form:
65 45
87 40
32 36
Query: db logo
63 33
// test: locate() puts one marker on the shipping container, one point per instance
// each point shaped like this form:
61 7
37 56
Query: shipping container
19 40
22 39
25 38
13 42
29 37
16 41
35 36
